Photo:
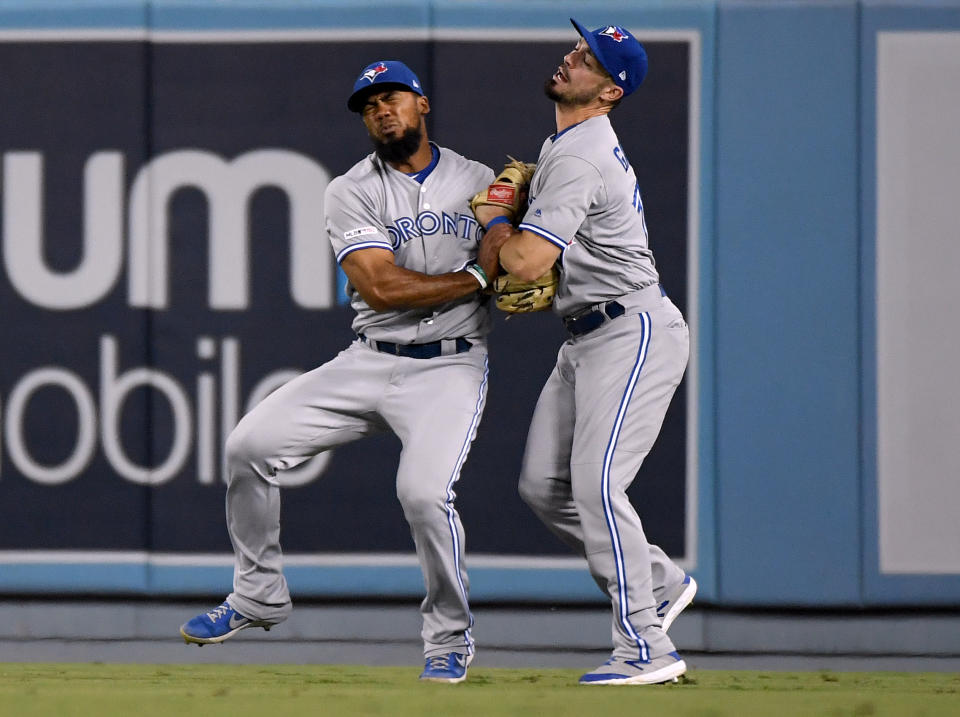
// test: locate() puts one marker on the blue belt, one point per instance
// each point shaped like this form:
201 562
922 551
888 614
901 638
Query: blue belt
418 351
585 323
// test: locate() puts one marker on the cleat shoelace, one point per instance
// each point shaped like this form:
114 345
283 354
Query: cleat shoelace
221 611
438 662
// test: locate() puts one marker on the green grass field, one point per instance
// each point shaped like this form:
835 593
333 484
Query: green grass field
278 691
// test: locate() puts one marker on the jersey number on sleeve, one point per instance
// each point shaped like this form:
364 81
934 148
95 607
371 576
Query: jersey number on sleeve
625 163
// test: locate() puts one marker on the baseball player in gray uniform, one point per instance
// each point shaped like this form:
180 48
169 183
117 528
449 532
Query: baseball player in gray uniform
402 231
604 403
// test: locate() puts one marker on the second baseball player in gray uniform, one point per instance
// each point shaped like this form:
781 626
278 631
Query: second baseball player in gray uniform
602 407
402 231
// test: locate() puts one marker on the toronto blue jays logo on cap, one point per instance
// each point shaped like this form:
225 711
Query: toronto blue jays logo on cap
624 58
372 73
382 74
614 33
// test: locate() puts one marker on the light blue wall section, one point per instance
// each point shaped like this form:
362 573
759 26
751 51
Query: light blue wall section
286 14
74 14
133 577
200 15
786 303
126 578
637 16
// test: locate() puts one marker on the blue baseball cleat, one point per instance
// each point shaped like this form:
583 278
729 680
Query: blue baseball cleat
676 602
620 671
217 625
451 667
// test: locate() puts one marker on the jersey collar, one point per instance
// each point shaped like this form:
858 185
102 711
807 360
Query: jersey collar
425 172
558 135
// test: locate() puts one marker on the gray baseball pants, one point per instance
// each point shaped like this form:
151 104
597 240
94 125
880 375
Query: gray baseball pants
433 406
596 419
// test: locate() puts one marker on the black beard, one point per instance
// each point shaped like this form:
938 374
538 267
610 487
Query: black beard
399 150
550 91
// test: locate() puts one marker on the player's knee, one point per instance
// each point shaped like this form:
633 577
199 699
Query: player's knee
532 493
241 449
235 449
420 506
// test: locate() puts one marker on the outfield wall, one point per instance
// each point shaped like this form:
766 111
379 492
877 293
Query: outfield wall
163 269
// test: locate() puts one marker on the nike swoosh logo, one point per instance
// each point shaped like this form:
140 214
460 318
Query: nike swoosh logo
237 620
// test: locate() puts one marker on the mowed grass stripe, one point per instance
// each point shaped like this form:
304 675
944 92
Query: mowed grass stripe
281 690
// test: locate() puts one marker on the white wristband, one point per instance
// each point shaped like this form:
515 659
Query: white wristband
478 273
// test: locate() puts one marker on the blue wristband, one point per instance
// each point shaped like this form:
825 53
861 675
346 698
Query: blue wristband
498 220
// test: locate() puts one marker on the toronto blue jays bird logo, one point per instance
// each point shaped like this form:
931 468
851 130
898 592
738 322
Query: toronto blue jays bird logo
615 33
372 73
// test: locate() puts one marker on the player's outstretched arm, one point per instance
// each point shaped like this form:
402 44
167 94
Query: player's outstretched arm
384 285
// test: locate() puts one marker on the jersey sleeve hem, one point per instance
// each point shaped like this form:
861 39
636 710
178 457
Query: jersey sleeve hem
544 234
362 245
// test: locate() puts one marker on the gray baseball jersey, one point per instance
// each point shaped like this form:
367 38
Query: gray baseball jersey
428 227
584 198
433 405
602 407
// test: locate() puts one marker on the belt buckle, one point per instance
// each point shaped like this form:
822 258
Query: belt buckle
593 319
613 309
585 323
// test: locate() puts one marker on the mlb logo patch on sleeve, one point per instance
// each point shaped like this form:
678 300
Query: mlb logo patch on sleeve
353 233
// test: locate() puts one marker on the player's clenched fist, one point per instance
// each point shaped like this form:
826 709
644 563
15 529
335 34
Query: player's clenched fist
488 253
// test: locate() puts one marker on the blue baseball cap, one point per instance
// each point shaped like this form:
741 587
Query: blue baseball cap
379 76
620 53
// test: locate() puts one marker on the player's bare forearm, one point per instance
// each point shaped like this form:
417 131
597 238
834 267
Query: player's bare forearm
384 285
413 290
527 256
488 253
